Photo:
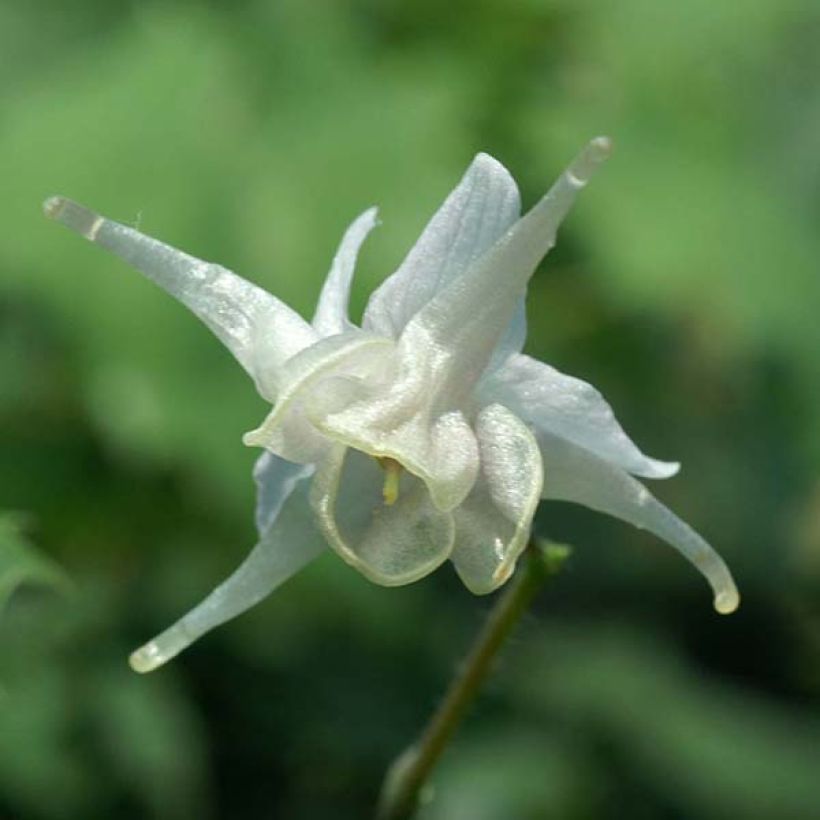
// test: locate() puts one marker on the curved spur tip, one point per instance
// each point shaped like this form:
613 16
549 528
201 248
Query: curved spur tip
727 601
601 147
592 155
147 658
74 216
53 206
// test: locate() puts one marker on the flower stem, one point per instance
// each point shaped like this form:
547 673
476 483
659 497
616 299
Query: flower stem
407 775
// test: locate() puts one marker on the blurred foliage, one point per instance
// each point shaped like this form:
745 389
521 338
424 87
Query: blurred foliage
684 286
20 563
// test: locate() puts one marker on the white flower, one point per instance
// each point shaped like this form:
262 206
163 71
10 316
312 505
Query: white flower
426 434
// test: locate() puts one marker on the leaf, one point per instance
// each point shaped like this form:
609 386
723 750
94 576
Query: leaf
20 563
153 740
713 748
505 772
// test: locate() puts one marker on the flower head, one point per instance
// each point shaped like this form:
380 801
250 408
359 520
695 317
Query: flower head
425 435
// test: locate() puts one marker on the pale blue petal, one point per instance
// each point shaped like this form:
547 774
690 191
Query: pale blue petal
291 542
261 331
275 480
572 473
473 217
512 341
464 322
331 315
570 408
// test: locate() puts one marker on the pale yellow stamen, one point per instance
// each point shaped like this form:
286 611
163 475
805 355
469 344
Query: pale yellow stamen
392 474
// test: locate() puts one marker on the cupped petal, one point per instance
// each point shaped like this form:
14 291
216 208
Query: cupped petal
261 331
390 543
465 320
574 474
570 408
398 423
478 212
400 415
332 309
289 543
287 431
493 524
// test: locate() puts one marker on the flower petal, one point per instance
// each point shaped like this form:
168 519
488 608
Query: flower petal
574 474
331 310
275 480
465 321
290 542
287 431
261 331
512 341
399 423
391 544
493 523
569 408
478 212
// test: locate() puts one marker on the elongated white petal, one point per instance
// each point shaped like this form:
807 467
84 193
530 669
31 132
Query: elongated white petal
477 213
569 408
331 311
261 331
464 321
291 542
493 523
390 543
574 474
287 430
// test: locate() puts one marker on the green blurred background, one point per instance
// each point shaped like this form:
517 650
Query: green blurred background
685 286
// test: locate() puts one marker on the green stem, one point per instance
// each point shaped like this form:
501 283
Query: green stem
409 772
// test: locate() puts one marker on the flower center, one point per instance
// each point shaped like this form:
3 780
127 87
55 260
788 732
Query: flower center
392 475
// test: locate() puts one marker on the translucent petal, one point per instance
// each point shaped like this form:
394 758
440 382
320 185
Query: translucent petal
289 544
331 311
399 422
493 523
464 321
512 341
261 331
391 544
389 408
287 431
478 212
572 473
569 408
275 480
